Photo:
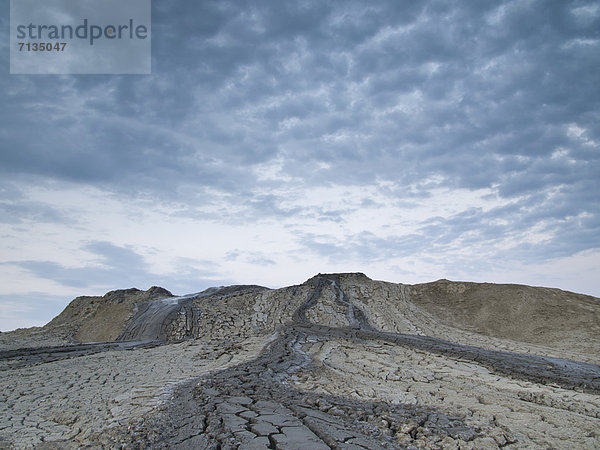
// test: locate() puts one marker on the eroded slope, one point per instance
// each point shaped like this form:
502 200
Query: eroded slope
102 319
561 320
340 361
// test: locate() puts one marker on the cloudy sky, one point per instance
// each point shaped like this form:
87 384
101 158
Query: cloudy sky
410 141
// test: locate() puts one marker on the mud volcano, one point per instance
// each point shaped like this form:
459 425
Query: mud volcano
340 361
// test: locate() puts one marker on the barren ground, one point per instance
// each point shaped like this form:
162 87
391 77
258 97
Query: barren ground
340 361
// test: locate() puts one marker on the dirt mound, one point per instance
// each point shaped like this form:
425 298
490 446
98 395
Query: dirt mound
536 315
100 319
338 361
489 315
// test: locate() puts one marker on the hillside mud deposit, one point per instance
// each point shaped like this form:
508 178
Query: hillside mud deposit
340 361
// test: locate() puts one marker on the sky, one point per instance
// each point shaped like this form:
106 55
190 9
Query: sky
411 141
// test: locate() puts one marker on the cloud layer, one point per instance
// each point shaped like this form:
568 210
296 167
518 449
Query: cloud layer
435 139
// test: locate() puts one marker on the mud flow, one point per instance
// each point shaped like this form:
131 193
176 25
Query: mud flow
340 361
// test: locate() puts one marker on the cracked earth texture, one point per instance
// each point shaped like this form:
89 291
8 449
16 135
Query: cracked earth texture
340 361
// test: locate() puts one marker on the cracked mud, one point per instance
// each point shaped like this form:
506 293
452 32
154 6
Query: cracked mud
319 365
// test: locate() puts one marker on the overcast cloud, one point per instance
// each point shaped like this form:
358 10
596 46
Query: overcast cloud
409 140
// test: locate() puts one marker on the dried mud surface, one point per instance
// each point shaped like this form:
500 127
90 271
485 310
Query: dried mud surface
340 361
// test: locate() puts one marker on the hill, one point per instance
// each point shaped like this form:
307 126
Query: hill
339 361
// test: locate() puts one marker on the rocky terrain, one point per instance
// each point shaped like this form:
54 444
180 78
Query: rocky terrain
340 361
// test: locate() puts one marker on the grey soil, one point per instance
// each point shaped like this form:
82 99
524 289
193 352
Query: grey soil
340 361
